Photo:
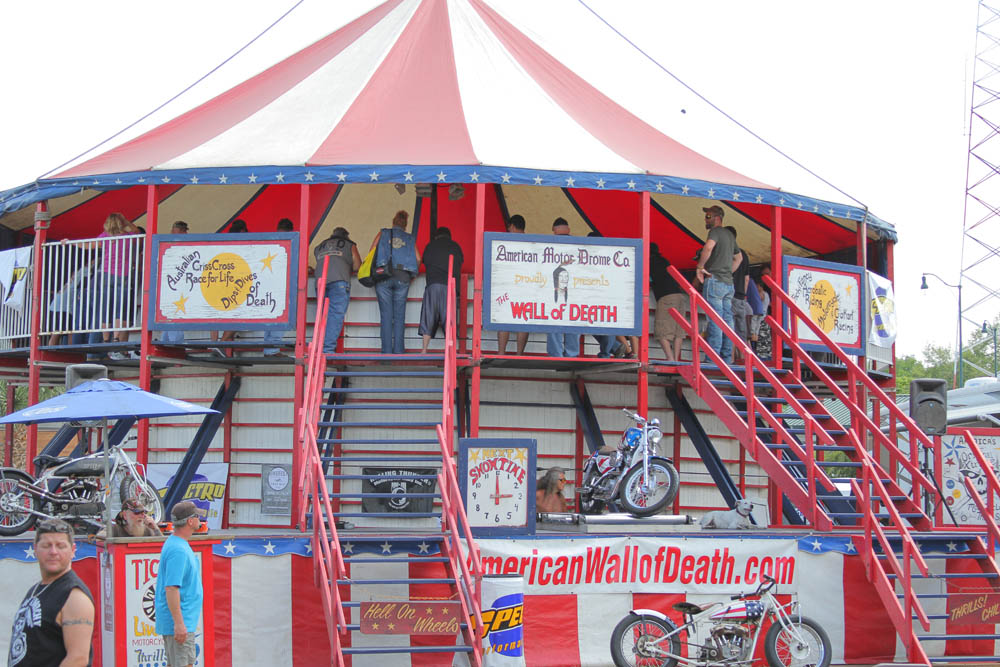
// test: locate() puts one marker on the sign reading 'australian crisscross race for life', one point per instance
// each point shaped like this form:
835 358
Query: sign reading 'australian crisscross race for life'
561 283
247 281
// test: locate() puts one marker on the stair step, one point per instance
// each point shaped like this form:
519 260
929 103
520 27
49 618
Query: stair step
826 464
383 441
381 390
398 537
356 627
376 374
343 476
770 399
788 415
401 580
389 515
821 496
965 658
955 636
388 558
818 448
384 650
385 495
757 385
380 406
972 556
956 575
430 457
376 424
800 431
386 358
881 515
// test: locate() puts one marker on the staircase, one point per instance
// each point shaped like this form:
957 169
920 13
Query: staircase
778 417
367 421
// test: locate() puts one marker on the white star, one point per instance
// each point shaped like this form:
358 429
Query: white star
800 206
348 548
847 214
165 179
118 181
230 547
341 177
850 545
952 546
474 177
269 548
252 178
194 180
373 176
659 186
29 553
386 547
817 545
424 547
309 547
781 201
760 198
279 177
631 184
506 178
408 176
441 176
570 182
78 182
96 181
830 211
310 175
600 182
815 208
711 193
223 179
538 180
736 196
141 180
685 189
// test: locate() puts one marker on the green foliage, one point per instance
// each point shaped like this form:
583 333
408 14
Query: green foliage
938 361
21 396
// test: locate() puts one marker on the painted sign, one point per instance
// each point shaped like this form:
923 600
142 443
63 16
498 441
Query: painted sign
974 608
207 489
959 463
832 295
276 489
400 483
559 283
881 311
410 618
248 283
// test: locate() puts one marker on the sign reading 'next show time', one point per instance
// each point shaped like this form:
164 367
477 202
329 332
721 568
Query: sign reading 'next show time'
247 281
561 283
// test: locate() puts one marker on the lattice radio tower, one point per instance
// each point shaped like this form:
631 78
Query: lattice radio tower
980 258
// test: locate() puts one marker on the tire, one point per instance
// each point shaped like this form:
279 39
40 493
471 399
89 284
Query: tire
630 642
587 503
665 480
13 522
145 493
782 650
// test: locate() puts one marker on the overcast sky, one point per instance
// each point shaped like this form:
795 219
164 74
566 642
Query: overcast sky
870 95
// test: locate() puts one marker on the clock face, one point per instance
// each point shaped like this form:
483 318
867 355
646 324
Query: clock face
499 486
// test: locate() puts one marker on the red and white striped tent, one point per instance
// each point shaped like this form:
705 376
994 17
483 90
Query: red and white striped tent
440 92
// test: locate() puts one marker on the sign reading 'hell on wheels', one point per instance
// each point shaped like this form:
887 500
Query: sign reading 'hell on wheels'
247 281
410 618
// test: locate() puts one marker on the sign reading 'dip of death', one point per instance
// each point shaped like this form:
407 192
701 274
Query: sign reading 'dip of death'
832 294
562 283
248 281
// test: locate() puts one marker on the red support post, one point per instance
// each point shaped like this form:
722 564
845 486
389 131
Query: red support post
477 309
8 429
777 273
145 335
300 336
862 261
643 314
42 219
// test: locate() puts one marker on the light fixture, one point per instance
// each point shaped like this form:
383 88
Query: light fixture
923 282
456 191
401 188
424 189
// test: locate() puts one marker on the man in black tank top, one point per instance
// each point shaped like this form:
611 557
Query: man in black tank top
55 622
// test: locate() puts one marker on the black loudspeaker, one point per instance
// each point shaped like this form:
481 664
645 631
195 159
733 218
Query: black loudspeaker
929 405
80 373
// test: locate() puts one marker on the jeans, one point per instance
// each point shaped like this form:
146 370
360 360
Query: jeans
562 344
720 296
741 315
173 336
391 295
607 346
339 294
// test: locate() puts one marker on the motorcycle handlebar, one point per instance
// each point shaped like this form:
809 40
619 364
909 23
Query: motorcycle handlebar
634 416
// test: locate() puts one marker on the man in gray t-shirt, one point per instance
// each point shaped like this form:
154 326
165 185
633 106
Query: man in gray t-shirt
719 258
344 260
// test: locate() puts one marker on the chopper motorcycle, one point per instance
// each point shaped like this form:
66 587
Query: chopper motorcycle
634 473
74 490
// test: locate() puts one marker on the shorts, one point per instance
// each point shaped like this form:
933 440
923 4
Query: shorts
433 310
666 327
179 655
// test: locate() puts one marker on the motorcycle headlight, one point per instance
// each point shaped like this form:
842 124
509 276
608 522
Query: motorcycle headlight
655 435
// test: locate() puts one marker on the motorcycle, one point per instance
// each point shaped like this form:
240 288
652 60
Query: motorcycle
643 481
73 490
722 634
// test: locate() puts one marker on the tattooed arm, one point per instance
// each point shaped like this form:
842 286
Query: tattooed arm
77 621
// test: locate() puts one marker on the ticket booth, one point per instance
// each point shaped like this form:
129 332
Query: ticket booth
128 569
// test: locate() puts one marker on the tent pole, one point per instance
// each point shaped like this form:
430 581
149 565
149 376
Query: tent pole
42 220
300 335
107 476
777 273
145 335
643 314
477 309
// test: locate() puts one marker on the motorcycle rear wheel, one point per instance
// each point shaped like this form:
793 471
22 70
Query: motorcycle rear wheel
665 482
144 492
631 642
13 522
587 503
783 650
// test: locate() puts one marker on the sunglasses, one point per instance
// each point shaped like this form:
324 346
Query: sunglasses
138 511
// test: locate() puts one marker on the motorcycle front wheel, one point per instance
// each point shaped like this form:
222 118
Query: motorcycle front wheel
145 493
811 648
661 488
587 503
634 642
15 504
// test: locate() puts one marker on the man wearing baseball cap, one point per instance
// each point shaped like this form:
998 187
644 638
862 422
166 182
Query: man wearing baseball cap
178 588
345 260
718 259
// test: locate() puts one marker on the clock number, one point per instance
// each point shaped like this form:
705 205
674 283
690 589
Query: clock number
508 516
496 519
477 508
520 496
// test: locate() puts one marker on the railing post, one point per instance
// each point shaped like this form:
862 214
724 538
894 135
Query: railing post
42 219
145 336
777 270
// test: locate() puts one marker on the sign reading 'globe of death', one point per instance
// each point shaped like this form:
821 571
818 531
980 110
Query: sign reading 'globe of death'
246 283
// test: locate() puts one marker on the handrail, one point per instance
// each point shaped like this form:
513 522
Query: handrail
452 507
987 508
857 374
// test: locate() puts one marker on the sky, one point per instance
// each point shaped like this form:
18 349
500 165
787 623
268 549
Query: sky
872 96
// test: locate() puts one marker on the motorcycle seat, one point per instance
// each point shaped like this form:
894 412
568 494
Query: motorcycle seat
47 461
87 467
688 608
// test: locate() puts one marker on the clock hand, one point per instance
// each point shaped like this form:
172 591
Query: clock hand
497 501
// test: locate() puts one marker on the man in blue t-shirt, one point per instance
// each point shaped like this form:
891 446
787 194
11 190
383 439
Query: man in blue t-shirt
178 588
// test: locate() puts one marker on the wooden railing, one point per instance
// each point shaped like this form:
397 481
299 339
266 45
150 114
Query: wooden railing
987 506
468 571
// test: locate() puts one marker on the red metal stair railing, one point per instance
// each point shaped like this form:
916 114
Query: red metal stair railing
466 570
987 506
328 560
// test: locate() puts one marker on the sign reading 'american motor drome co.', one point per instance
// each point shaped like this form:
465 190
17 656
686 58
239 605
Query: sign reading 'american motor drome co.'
247 281
561 283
